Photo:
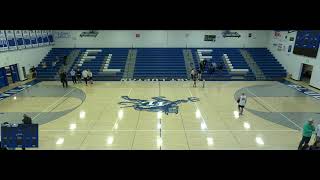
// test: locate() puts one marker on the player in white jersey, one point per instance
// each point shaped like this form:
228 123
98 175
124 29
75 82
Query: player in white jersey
242 100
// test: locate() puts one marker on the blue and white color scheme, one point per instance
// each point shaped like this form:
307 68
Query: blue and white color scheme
19 39
45 38
26 39
39 37
303 90
50 37
3 41
157 104
14 91
11 40
33 38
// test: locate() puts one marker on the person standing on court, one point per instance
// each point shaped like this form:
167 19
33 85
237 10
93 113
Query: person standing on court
195 77
78 73
308 129
73 76
90 76
63 79
242 100
85 76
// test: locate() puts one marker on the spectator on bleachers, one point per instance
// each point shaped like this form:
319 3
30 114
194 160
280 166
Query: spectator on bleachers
33 71
202 66
63 78
65 60
220 67
79 75
85 76
73 76
90 76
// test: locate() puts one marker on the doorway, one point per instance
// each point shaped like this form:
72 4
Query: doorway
306 73
9 75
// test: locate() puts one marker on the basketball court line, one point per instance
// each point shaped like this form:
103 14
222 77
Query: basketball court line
274 109
197 108
155 130
120 108
55 103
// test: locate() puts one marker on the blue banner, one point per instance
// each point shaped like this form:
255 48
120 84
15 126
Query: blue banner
45 38
33 38
26 38
50 37
39 37
11 40
19 39
3 41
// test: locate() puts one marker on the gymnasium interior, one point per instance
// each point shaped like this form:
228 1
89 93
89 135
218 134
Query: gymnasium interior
142 95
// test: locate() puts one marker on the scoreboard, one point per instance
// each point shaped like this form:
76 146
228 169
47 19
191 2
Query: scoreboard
19 135
307 43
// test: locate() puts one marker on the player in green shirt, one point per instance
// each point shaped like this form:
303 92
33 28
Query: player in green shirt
308 129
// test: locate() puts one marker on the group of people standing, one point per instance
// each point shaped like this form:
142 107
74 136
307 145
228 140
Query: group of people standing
76 76
197 74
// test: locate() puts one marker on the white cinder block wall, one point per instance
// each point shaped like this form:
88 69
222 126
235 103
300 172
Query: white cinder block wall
160 38
293 63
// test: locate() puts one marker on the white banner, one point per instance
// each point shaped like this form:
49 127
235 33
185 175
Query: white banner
26 38
50 37
19 39
45 38
33 38
3 41
11 40
39 37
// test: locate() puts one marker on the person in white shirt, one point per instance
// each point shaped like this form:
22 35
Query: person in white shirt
90 76
85 76
73 76
242 100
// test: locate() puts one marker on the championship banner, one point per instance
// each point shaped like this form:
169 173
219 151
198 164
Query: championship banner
11 40
45 38
26 38
19 39
33 38
3 41
39 37
50 37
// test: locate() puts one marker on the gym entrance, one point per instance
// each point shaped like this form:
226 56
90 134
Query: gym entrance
8 75
306 73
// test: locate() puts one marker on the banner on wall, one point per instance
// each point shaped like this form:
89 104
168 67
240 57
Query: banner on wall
279 47
33 38
50 37
39 37
3 41
19 39
11 40
26 39
45 37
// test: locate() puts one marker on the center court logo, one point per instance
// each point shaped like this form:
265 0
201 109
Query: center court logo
157 104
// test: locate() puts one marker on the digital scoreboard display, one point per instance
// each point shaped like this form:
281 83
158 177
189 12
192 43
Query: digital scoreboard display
19 135
307 43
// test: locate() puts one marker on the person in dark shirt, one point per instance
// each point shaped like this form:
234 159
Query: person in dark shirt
26 119
63 79
79 73
65 60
